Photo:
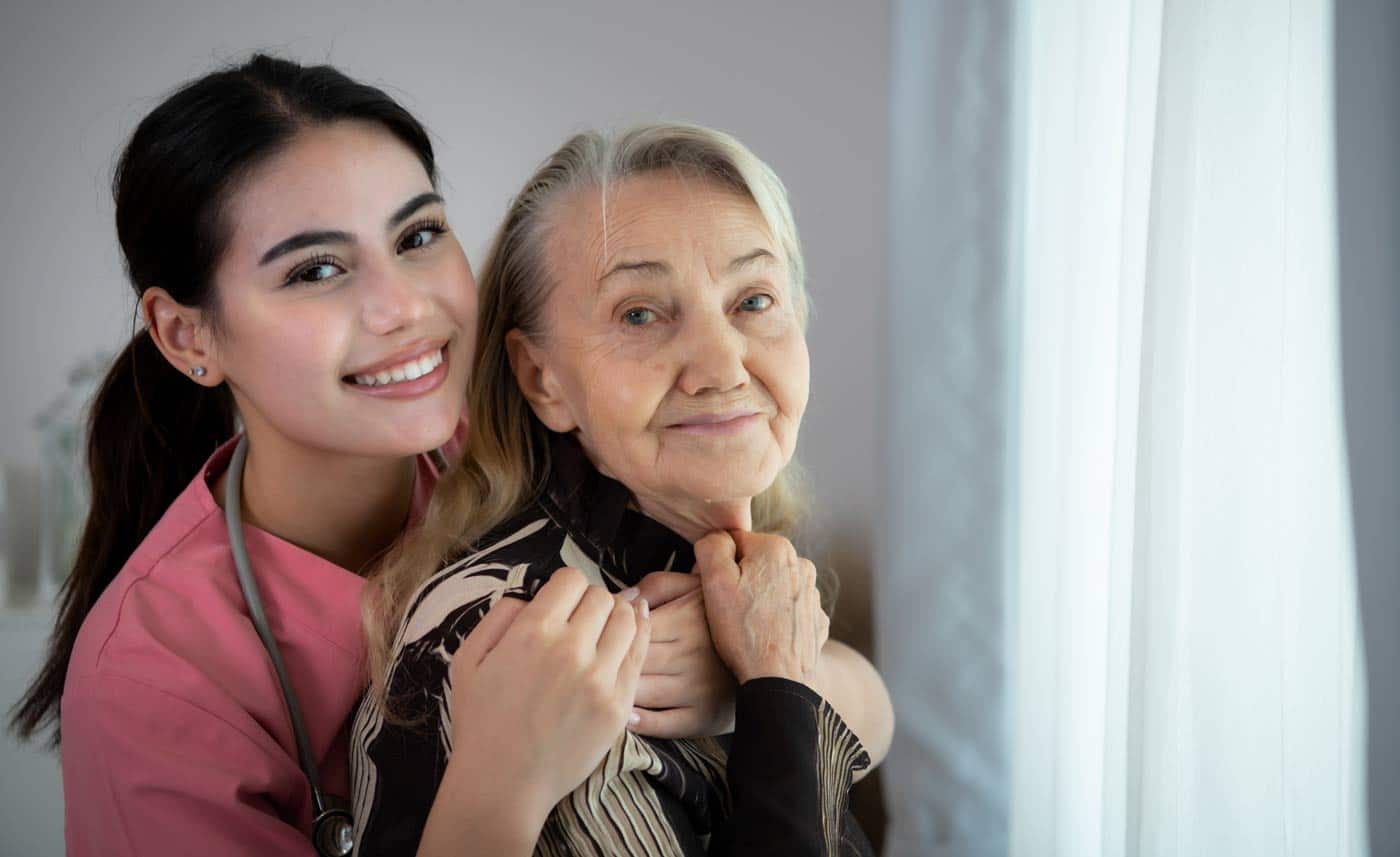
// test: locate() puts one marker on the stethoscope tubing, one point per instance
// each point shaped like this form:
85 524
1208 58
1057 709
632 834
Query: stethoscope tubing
233 516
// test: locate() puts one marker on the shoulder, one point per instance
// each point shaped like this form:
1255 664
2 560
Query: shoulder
514 557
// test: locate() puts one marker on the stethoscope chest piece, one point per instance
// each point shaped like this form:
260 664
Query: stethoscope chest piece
333 831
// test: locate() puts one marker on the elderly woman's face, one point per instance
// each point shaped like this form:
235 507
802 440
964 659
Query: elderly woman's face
673 347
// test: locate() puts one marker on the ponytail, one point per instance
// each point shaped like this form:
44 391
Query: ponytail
150 429
149 432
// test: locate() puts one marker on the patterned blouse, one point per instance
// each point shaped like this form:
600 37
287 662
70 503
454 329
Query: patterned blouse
778 785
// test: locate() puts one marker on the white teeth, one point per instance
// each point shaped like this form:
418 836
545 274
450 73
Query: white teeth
408 371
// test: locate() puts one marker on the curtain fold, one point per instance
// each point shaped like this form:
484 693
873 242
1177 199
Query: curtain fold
940 591
1187 675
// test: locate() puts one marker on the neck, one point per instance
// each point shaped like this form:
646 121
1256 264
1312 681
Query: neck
345 509
693 519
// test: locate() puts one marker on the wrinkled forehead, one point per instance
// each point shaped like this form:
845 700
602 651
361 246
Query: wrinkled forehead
661 217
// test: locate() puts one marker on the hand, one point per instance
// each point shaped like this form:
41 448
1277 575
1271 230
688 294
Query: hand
542 690
685 689
762 604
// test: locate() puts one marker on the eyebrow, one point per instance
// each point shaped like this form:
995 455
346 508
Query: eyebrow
751 258
408 208
337 236
657 269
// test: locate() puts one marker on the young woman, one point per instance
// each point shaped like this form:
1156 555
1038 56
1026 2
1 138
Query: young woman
282 230
640 375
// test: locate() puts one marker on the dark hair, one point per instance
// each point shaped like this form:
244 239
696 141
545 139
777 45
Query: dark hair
150 428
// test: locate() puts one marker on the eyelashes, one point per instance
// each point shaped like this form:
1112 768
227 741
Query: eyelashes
298 275
323 266
432 225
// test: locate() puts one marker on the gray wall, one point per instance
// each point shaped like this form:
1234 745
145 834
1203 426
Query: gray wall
1368 190
499 85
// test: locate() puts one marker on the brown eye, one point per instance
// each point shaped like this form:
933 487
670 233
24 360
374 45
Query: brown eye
420 235
314 271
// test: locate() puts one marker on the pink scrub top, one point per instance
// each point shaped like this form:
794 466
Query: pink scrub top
176 739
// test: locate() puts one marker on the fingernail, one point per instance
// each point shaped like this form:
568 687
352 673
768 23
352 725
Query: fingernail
634 718
629 593
646 608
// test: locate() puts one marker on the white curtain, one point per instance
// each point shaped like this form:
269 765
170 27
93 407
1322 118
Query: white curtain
1187 676
940 593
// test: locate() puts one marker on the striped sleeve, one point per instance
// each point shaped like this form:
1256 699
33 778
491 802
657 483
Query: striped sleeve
790 772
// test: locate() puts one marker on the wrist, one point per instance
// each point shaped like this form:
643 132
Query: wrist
471 816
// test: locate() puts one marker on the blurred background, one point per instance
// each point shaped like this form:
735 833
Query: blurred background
913 138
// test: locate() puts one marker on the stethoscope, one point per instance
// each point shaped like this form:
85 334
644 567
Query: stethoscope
333 830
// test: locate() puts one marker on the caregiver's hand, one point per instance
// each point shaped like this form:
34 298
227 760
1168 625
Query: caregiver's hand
685 689
762 604
540 691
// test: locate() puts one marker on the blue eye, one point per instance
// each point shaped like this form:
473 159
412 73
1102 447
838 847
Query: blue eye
756 303
638 317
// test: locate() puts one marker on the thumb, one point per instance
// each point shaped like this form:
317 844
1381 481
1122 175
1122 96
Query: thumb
715 553
659 587
488 633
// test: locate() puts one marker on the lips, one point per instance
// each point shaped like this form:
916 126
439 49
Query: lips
713 419
405 365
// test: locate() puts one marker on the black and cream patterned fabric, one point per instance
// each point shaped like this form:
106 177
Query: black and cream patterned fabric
778 785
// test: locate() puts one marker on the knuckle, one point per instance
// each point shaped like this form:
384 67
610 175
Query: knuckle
597 597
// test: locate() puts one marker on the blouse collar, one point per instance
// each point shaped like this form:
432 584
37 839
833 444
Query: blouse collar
596 511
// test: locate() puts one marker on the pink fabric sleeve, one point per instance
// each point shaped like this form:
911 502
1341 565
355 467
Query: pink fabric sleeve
149 773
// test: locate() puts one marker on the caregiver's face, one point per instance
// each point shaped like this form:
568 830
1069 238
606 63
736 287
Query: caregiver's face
673 345
347 307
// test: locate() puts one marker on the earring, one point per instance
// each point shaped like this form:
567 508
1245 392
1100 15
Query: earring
199 371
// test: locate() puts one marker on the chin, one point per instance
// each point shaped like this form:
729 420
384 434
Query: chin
720 487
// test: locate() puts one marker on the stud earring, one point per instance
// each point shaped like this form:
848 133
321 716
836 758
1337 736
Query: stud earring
199 371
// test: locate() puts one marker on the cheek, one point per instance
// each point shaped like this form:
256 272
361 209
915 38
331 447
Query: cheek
785 368
457 290
293 352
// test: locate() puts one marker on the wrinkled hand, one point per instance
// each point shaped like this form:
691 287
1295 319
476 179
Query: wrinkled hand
685 689
761 601
543 689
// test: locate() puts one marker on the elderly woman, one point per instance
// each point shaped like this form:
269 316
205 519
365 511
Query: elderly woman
641 373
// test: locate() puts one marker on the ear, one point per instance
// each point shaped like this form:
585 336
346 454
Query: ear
182 334
538 383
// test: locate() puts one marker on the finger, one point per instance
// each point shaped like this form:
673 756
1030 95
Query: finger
715 560
748 544
617 635
663 658
560 594
682 619
661 587
714 549
489 631
591 614
667 723
630 670
664 691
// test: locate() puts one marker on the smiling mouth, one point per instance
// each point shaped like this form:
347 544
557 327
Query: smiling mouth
409 370
716 424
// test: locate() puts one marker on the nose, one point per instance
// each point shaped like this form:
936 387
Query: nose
392 301
713 356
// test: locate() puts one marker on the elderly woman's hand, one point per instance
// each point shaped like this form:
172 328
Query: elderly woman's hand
762 604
